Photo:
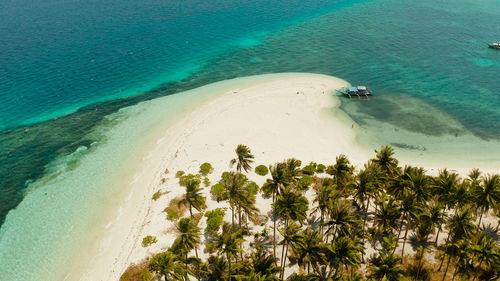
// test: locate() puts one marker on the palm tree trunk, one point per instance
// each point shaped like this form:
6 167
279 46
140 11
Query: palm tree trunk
480 218
274 231
397 240
191 210
437 236
420 263
186 273
196 252
404 242
454 273
447 265
364 226
478 268
444 256
229 262
284 262
232 216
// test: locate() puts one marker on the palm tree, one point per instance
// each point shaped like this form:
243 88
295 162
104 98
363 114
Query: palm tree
487 194
188 239
437 217
326 193
443 184
166 264
243 158
343 251
264 263
193 197
237 190
342 219
341 171
460 227
385 160
485 251
228 243
386 217
217 268
386 267
291 237
309 252
274 186
410 210
290 206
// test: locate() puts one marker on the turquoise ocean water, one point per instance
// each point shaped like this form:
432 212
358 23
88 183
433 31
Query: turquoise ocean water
91 58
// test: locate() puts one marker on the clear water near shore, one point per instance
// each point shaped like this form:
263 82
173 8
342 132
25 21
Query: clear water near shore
435 78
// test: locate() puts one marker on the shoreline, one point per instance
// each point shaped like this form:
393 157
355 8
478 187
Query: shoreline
266 116
277 115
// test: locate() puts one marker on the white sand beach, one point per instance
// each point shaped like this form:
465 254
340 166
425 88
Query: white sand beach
278 116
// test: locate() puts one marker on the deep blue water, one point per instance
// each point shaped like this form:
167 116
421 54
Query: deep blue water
95 57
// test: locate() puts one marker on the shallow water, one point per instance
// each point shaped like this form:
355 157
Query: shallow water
435 80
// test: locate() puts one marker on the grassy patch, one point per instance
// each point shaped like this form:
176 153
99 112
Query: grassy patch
174 211
137 272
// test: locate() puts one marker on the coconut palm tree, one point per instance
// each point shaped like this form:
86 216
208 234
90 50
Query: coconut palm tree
166 264
309 252
387 216
263 263
437 216
443 184
193 197
291 237
218 268
342 219
386 266
290 205
385 160
487 194
341 171
343 252
410 211
237 190
460 226
274 186
486 252
228 244
243 158
188 239
326 194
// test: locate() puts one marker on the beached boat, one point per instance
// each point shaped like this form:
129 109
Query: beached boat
494 45
359 92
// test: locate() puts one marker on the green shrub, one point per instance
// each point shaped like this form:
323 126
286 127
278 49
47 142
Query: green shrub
320 168
253 188
183 180
206 182
261 170
218 192
148 240
305 182
206 168
309 169
214 220
179 174
157 195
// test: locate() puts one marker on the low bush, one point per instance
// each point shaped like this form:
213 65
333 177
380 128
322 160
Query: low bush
206 168
261 170
148 240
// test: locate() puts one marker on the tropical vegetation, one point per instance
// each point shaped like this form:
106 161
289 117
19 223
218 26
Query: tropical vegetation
381 221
